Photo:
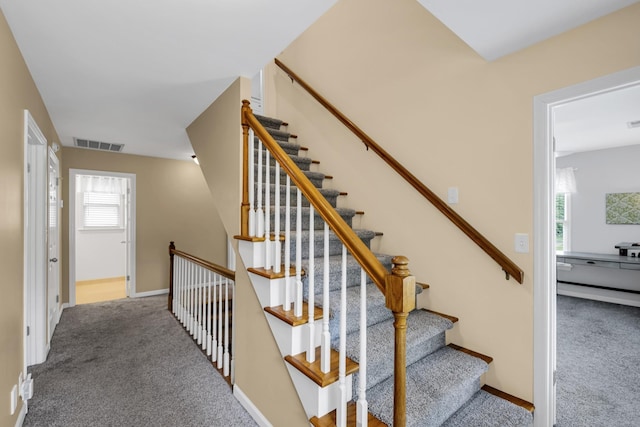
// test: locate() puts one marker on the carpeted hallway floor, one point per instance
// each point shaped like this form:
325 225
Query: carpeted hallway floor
598 364
128 363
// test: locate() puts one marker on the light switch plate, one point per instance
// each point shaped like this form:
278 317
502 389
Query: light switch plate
522 243
452 195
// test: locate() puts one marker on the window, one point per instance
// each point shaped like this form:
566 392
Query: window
102 210
562 221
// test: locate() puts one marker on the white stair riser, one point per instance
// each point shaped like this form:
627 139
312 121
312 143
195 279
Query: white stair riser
318 401
270 292
292 340
252 253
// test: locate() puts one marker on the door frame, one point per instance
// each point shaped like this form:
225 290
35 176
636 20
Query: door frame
55 277
544 256
131 230
36 344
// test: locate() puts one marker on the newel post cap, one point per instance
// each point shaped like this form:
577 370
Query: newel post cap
400 287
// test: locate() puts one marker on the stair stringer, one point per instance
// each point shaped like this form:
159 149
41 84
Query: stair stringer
317 400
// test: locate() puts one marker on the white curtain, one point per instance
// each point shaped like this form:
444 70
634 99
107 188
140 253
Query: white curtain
100 184
565 180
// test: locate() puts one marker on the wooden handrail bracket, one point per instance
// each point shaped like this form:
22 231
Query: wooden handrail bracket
510 268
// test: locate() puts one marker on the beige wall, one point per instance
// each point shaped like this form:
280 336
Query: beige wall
172 203
18 93
454 120
216 137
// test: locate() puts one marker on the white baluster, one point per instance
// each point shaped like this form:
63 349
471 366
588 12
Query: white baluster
209 303
198 335
214 327
362 408
183 293
267 215
277 246
220 321
341 410
252 207
225 369
287 245
174 285
297 307
311 349
325 354
203 308
190 281
259 212
178 290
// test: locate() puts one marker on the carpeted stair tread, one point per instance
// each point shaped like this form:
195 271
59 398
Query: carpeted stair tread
425 334
304 163
329 194
291 148
335 245
318 223
269 122
335 274
377 310
486 410
437 386
279 135
316 178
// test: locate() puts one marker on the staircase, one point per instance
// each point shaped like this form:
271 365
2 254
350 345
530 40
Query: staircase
443 384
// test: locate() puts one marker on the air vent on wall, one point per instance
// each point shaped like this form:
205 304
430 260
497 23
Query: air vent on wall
97 145
634 124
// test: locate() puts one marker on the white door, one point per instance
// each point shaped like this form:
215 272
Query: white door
53 279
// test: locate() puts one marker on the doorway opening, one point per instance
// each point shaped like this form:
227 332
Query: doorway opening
545 232
101 236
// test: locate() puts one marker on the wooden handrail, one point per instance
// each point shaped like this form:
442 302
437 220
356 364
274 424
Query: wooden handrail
372 266
225 272
509 267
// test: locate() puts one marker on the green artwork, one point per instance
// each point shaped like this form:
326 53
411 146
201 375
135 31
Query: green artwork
623 208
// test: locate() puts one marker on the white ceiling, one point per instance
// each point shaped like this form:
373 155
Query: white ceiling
598 122
137 73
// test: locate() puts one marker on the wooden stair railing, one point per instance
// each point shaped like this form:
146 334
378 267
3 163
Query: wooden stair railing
201 298
358 249
508 266
398 286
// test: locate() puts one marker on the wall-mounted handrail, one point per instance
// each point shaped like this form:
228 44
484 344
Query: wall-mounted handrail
509 267
349 238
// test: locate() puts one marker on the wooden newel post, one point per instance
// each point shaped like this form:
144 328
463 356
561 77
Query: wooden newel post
172 247
400 293
244 207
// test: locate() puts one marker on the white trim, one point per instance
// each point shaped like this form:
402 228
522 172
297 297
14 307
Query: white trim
22 414
61 309
131 262
544 252
599 294
252 409
150 293
35 345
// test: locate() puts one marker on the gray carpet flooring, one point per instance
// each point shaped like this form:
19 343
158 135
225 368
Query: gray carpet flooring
128 363
598 364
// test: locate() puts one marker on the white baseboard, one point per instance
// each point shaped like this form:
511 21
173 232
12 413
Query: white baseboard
151 293
60 310
22 414
250 407
599 294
